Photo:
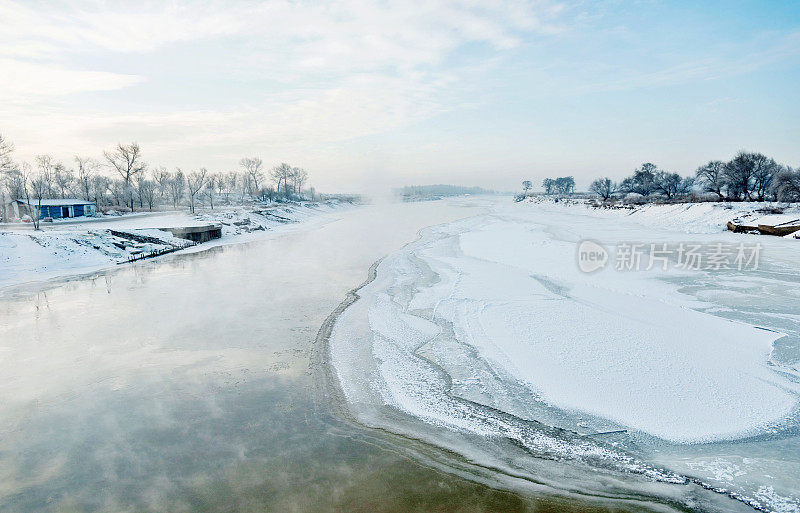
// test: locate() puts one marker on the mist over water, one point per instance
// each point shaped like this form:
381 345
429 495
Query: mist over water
184 384
189 383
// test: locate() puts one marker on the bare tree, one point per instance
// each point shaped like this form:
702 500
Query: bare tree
686 186
87 168
786 185
38 189
221 185
764 171
45 166
666 183
177 184
231 182
603 187
252 166
281 174
565 184
293 177
562 185
739 176
63 179
25 177
126 160
195 181
642 182
161 177
526 185
100 187
750 173
300 176
9 175
6 150
147 191
711 177
13 183
210 188
246 187
119 192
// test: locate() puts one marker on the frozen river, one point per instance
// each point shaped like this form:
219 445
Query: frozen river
196 382
671 370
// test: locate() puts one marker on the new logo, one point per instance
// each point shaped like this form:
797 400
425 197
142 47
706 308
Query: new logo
591 256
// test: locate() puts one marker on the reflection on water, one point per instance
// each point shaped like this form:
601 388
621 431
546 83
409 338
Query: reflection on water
184 384
218 447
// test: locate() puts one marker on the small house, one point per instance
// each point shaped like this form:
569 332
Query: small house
55 208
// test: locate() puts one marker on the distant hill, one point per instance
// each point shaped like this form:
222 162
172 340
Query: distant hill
433 192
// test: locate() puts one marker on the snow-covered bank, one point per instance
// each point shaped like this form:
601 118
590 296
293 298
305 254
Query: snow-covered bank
494 311
79 248
708 217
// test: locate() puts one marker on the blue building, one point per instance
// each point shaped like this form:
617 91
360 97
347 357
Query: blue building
56 208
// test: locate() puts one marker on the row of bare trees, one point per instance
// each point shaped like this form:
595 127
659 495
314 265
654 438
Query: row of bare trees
287 180
647 181
562 185
123 179
746 177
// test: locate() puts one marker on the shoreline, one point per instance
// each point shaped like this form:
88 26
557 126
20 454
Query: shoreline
331 397
697 217
451 456
22 287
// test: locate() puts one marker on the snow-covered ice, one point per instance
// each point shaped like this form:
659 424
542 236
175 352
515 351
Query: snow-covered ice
497 303
609 348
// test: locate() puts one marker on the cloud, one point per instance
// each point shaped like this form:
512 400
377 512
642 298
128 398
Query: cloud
360 106
123 27
395 29
335 70
28 82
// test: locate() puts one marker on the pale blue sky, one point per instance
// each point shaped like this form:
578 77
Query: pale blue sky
372 94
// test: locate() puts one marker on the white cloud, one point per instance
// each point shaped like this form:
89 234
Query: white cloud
28 82
361 106
115 26
335 72
373 65
405 31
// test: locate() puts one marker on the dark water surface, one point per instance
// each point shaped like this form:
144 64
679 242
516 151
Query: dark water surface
186 384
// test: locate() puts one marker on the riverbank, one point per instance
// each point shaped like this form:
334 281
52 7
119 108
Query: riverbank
706 217
77 248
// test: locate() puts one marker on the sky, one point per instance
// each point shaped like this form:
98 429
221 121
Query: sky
369 95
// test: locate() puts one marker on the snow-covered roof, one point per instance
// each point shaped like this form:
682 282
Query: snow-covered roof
57 202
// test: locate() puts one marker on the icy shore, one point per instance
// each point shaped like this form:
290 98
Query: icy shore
493 311
708 217
78 248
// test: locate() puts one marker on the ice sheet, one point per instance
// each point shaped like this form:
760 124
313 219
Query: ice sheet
498 301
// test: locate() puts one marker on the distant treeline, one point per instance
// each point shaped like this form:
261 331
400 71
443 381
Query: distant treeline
123 180
746 177
414 192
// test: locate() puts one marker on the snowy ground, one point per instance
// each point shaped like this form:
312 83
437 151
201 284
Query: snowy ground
682 359
710 217
64 249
